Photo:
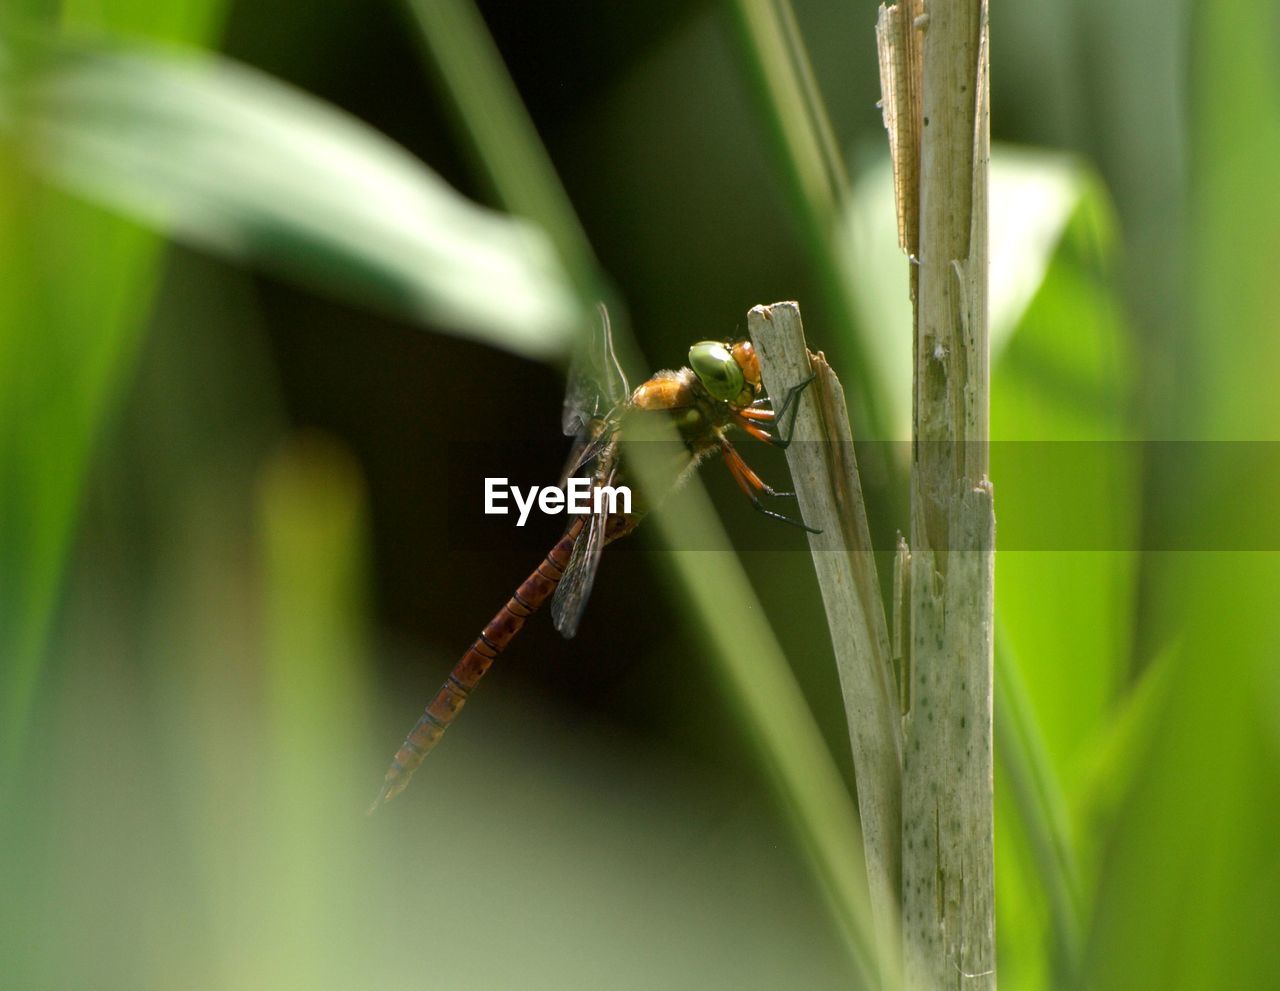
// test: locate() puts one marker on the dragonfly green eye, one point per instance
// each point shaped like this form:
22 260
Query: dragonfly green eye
719 374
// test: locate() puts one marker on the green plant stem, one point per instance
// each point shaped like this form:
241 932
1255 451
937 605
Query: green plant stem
816 178
1038 796
55 397
502 136
743 653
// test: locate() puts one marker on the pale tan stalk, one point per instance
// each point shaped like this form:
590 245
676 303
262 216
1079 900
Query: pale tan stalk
824 472
948 874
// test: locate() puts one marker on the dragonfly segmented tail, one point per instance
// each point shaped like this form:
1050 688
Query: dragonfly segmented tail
453 694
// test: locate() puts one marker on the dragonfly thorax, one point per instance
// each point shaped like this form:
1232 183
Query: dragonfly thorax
666 391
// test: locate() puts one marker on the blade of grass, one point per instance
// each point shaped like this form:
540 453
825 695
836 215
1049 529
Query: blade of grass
1042 811
64 353
312 533
794 110
744 654
1186 898
816 178
502 136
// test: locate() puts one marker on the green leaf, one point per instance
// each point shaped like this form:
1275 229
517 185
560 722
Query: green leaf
1067 476
1039 873
73 306
228 158
1188 896
1067 504
1111 763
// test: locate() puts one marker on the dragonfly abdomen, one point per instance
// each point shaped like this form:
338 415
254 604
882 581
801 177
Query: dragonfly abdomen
440 712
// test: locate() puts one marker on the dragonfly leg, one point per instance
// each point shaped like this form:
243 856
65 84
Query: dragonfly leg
759 433
751 418
753 486
789 403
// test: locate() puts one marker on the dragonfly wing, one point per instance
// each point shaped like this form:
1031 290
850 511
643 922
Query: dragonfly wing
597 389
579 576
589 445
597 383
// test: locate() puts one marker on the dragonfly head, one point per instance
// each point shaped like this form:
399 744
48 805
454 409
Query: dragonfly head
729 371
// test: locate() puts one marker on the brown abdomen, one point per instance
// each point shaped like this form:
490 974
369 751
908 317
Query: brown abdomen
528 599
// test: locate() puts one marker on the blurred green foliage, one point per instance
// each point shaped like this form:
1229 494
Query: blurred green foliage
226 578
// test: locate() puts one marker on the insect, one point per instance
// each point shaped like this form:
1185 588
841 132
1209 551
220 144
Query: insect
719 390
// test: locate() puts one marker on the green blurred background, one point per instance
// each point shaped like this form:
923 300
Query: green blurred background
254 354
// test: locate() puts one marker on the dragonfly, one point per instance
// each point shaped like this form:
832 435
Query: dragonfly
720 390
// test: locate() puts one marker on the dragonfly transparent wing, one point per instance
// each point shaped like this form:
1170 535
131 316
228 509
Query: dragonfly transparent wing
597 387
571 596
589 444
597 383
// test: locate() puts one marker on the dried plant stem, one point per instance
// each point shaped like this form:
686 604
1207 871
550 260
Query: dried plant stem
824 471
948 874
